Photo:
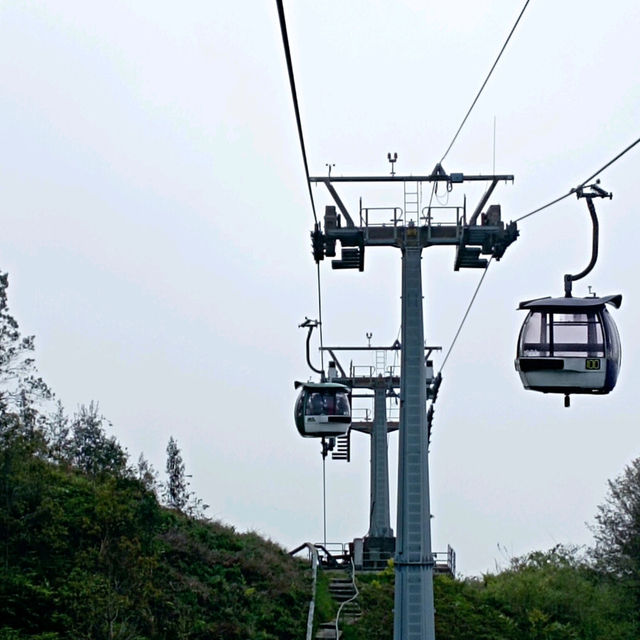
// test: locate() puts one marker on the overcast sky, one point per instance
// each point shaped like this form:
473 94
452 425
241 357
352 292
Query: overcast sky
155 226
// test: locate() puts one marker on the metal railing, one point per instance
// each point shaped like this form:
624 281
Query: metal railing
363 414
395 216
346 602
334 555
372 372
313 558
445 561
396 213
428 218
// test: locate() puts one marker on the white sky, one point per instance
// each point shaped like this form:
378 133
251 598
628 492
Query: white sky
155 226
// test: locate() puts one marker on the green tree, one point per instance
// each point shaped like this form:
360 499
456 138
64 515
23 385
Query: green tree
176 492
617 530
20 384
58 432
146 473
557 595
91 450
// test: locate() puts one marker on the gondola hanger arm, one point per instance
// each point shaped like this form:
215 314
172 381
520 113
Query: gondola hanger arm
594 191
311 325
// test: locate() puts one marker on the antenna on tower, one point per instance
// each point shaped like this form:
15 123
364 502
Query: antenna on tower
392 159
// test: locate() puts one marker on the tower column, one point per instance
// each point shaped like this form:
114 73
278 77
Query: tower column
414 612
379 519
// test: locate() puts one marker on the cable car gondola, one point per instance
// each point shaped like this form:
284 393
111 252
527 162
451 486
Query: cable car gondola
322 409
569 345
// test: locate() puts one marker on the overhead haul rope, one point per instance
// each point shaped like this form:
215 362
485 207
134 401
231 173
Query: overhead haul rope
455 137
466 314
582 184
294 97
473 104
433 190
320 318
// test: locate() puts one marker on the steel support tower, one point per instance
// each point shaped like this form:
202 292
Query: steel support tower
414 559
379 518
484 233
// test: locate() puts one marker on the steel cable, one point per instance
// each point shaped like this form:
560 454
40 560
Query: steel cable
582 184
294 96
466 314
473 104
320 319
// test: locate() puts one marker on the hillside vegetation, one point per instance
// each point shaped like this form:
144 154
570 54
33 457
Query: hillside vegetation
87 551
96 556
543 596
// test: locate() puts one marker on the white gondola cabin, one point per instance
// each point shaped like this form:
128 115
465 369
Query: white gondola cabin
569 345
322 409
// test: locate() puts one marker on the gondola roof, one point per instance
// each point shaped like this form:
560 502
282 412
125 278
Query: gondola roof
565 304
320 386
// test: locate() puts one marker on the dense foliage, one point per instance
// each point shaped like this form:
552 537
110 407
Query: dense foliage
542 596
87 551
617 530
97 557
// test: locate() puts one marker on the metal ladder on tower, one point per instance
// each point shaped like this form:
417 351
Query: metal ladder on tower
381 362
411 202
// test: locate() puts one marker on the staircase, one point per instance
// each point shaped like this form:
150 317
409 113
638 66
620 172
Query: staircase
327 631
342 450
342 590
